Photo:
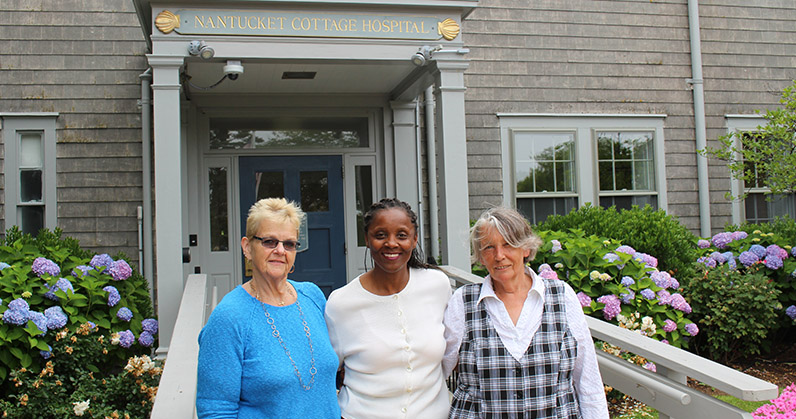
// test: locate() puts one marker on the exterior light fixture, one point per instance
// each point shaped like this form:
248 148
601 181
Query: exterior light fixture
421 57
200 49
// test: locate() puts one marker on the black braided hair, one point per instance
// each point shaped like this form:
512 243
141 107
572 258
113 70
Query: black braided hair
417 259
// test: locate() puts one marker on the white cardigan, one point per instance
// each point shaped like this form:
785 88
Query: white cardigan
392 348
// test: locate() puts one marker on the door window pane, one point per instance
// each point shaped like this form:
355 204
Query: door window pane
364 197
289 132
269 185
219 236
314 191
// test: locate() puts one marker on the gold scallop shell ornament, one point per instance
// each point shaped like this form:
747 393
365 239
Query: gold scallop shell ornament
167 21
448 28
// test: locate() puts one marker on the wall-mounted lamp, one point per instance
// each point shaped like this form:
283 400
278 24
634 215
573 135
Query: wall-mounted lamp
421 57
200 49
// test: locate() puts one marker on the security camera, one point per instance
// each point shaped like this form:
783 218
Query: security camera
233 69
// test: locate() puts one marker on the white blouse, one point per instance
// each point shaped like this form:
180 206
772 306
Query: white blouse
517 338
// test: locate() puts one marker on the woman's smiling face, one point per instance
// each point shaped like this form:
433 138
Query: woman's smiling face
391 238
503 261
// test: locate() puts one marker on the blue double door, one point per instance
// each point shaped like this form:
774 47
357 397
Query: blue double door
316 184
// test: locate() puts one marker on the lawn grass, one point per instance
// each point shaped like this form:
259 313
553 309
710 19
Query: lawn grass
646 412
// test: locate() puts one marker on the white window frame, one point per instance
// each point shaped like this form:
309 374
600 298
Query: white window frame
742 123
13 126
585 127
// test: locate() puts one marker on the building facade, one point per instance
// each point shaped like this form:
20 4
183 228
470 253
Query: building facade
150 128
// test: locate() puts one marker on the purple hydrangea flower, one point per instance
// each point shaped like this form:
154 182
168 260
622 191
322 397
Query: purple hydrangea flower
650 366
774 250
710 263
626 249
585 300
703 244
120 270
56 318
728 255
773 262
674 284
113 295
791 312
556 246
692 329
666 341
739 235
125 314
43 266
62 284
669 325
15 316
146 339
81 271
759 250
104 260
718 257
549 274
732 265
749 258
628 297
612 306
151 325
627 281
48 353
646 259
19 304
611 257
679 303
544 267
721 240
661 278
126 338
793 251
39 319
664 297
92 325
647 293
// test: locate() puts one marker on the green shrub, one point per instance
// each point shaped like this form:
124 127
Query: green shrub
785 227
645 229
736 311
48 283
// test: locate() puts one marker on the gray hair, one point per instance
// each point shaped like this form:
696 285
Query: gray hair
514 228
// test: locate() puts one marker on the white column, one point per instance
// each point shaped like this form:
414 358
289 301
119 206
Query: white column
405 152
452 159
168 194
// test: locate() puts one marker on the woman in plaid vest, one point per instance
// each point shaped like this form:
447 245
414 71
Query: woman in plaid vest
520 342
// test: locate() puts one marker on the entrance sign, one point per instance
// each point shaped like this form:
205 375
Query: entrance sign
274 23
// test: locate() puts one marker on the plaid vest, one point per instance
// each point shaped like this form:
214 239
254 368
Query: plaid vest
492 384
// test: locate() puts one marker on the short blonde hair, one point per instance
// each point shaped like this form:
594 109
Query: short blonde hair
514 228
273 210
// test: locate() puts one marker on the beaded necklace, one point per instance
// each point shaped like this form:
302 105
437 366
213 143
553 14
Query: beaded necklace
275 333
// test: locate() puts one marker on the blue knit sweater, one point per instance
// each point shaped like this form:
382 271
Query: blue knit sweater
245 373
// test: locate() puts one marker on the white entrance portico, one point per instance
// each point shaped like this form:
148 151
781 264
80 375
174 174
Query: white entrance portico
318 64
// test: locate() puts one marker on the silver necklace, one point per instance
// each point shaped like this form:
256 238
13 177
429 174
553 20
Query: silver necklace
275 333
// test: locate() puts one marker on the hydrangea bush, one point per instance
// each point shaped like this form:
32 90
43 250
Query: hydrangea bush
618 283
48 283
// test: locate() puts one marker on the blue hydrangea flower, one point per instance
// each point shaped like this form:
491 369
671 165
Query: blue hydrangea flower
81 271
721 240
104 260
791 312
728 255
62 284
647 293
749 258
732 264
692 329
39 319
649 260
773 262
759 250
664 297
56 318
628 297
793 251
126 338
626 249
674 284
703 244
113 295
19 304
146 339
628 281
4 265
92 325
120 270
661 278
43 266
48 353
15 316
611 257
718 257
125 314
739 235
150 325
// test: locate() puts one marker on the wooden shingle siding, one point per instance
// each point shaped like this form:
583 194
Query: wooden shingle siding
82 59
609 57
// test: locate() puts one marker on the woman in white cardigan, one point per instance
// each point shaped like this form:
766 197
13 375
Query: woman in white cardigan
386 325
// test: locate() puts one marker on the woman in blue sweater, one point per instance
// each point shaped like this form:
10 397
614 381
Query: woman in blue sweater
265 351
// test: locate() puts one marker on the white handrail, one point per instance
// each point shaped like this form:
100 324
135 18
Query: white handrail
659 391
176 397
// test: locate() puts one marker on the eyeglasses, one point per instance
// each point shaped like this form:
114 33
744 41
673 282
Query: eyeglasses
269 243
